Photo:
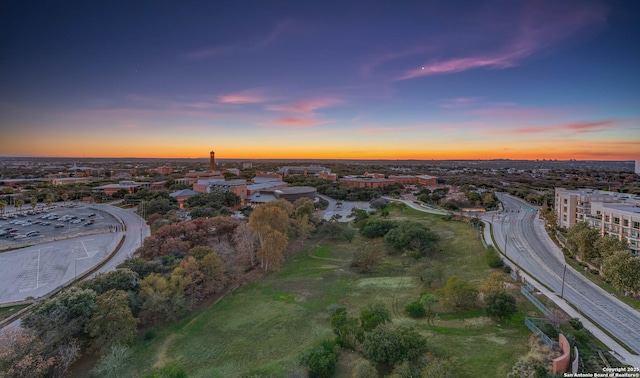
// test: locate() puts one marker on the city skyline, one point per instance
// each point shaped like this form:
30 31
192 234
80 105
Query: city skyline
435 80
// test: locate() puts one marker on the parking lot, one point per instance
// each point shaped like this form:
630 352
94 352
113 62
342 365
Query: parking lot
35 227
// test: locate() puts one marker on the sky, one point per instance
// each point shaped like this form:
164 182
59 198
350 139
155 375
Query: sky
321 79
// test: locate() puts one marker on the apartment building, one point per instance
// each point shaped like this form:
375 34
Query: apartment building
612 213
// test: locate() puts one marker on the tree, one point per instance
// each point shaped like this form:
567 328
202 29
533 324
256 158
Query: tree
48 199
374 315
61 318
581 239
271 252
34 202
112 323
500 305
120 279
331 228
376 228
622 270
366 257
188 277
19 203
392 346
378 203
345 328
412 236
3 205
64 197
161 298
112 364
245 242
321 359
429 300
348 234
214 278
159 206
459 293
608 245
493 283
303 206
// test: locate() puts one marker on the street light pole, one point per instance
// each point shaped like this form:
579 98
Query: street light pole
564 272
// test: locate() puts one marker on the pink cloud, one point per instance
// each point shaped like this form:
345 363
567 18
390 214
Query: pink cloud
241 98
542 26
578 127
306 106
297 122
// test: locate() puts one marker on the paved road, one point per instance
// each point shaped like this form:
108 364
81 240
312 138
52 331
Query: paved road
344 210
521 234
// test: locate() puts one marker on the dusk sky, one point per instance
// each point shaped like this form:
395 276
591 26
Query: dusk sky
321 79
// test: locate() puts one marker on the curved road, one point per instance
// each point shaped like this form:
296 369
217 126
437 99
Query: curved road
525 241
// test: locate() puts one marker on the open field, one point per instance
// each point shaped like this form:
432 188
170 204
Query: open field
261 328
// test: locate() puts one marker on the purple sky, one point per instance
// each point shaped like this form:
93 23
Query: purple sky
305 79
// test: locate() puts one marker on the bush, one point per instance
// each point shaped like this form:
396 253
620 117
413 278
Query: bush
415 309
321 360
506 269
575 323
493 258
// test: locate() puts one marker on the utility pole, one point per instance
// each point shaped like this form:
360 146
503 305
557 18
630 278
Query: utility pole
564 272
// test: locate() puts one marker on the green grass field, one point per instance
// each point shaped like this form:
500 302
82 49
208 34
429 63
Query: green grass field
260 329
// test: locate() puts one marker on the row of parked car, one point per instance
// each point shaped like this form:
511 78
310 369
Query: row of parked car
42 220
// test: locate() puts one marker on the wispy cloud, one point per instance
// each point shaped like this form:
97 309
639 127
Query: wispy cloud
459 102
575 127
542 26
280 30
241 98
297 122
307 107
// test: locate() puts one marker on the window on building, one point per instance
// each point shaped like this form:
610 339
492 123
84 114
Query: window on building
636 225
625 222
616 220
565 200
564 217
565 209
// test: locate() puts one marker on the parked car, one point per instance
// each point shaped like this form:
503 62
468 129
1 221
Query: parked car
59 225
32 233
13 230
19 236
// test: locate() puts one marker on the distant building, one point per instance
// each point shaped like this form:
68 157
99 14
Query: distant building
261 177
130 186
301 171
428 181
69 180
612 213
404 179
164 170
182 196
637 167
193 177
239 187
366 182
327 175
212 161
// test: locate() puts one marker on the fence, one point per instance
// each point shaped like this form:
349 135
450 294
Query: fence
535 302
533 323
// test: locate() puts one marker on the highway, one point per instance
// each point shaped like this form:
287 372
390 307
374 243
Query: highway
519 232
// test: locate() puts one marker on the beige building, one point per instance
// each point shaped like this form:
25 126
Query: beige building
612 213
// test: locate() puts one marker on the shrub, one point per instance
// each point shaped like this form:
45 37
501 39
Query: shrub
493 258
415 309
321 360
575 323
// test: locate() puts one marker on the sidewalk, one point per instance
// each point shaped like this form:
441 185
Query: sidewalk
616 350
